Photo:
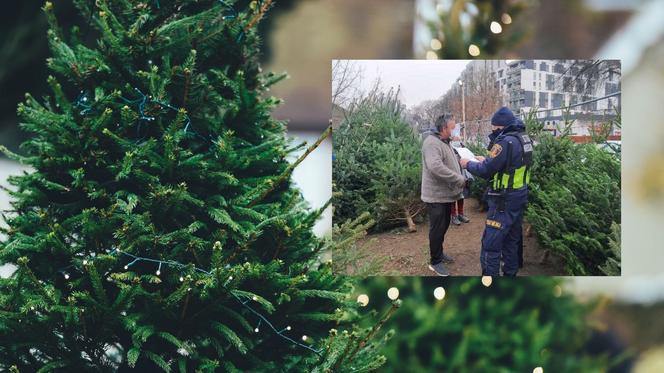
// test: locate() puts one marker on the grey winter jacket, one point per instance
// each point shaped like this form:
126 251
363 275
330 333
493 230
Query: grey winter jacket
442 180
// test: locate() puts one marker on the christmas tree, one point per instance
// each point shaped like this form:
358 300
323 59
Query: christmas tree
377 166
487 325
159 229
474 28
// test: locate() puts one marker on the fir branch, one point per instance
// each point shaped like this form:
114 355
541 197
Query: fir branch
12 155
287 172
395 305
257 17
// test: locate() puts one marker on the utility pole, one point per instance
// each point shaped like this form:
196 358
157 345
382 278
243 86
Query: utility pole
463 110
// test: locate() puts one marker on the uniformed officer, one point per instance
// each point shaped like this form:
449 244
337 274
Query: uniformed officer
508 169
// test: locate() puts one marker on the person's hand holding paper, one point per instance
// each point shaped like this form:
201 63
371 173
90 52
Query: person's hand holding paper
467 154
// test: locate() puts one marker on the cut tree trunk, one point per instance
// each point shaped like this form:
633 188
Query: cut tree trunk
409 220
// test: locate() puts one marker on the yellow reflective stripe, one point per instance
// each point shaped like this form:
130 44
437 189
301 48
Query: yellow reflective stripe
506 179
520 176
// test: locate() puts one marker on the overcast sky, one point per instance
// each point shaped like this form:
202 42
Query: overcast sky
419 79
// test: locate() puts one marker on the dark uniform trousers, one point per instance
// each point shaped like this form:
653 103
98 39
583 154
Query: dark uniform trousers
502 234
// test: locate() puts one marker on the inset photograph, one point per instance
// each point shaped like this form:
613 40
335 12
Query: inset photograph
482 167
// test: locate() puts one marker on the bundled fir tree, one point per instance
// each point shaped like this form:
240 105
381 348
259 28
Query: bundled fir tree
159 229
377 167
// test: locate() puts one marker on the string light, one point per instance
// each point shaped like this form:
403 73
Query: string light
496 28
487 280
506 18
431 55
557 291
474 50
538 370
66 276
439 293
393 293
261 317
81 101
159 270
363 300
436 44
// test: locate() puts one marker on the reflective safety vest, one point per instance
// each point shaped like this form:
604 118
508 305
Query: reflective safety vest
519 177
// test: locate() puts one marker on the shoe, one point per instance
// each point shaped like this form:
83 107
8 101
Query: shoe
439 269
455 220
464 219
447 259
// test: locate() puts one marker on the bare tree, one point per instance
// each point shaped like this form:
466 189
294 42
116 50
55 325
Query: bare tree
584 76
346 75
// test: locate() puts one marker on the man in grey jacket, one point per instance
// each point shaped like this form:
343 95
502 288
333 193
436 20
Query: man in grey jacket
442 184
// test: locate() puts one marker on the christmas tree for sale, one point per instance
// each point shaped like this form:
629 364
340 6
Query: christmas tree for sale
158 228
378 166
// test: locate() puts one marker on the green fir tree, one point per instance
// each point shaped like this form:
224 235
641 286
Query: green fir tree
159 229
486 325
377 166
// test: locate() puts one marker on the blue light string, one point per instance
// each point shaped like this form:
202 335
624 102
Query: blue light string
261 317
144 100
233 14
82 101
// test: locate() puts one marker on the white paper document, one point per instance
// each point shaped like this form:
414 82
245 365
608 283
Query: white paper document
466 153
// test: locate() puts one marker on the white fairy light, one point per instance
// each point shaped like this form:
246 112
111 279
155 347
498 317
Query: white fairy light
506 19
189 289
393 293
487 280
431 55
496 28
538 370
363 300
557 291
436 44
474 50
439 293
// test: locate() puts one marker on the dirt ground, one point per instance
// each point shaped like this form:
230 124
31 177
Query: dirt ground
407 254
